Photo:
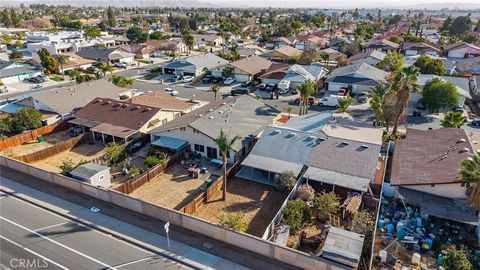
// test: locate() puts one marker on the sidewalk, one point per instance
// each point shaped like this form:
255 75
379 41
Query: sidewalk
133 234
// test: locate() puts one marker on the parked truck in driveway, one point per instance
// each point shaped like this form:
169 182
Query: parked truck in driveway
330 101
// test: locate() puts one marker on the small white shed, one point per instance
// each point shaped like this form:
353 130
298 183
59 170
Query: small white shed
92 173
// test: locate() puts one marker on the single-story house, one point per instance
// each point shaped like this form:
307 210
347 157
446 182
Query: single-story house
166 102
73 62
65 101
106 55
304 41
418 48
13 72
372 57
463 86
208 40
167 47
358 78
117 120
278 42
462 50
381 45
240 116
92 173
250 50
296 74
282 54
194 65
141 51
471 65
425 169
247 69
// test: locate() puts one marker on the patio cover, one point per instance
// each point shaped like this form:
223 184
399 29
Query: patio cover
458 210
170 143
117 131
343 246
271 164
83 122
337 179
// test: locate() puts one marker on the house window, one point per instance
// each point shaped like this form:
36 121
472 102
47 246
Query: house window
101 177
164 121
199 148
463 184
176 115
228 154
182 128
432 185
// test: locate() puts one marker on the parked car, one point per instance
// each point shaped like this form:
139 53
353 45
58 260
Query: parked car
421 104
207 79
311 101
171 91
240 91
120 65
187 79
459 109
42 78
217 79
475 122
294 91
35 80
283 86
92 69
330 101
342 92
176 78
229 81
246 83
256 82
262 87
4 90
270 87
362 97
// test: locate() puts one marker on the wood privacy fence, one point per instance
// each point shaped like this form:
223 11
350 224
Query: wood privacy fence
211 192
132 184
31 135
52 150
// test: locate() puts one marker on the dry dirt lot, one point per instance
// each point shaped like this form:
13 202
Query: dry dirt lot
259 203
172 189
84 151
34 146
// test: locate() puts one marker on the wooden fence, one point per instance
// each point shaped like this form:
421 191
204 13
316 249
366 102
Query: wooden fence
52 150
132 184
31 135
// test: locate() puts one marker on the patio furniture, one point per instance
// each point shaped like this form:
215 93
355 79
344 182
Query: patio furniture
217 162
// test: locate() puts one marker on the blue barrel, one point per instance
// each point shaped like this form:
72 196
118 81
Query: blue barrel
386 220
440 260
401 234
419 222
429 242
381 223
390 228
393 260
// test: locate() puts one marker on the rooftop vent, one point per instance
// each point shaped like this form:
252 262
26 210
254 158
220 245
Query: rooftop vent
275 132
210 117
109 102
364 146
211 110
220 111
461 140
291 135
466 150
345 143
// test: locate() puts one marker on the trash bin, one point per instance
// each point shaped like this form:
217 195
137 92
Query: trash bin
40 138
208 182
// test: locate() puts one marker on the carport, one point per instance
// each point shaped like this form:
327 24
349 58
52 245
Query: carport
263 169
110 131
169 143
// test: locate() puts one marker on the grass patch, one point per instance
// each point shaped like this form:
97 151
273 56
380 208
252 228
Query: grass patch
152 75
144 61
57 78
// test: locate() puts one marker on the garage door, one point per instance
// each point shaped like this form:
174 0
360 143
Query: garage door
336 86
188 74
242 78
169 71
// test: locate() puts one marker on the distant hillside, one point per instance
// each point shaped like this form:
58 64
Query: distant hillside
120 3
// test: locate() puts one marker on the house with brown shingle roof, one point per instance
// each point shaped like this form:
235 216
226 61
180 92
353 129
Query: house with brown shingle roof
247 68
282 54
416 48
165 102
462 50
164 47
381 45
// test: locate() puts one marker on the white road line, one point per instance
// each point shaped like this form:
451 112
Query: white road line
33 252
60 244
51 226
132 262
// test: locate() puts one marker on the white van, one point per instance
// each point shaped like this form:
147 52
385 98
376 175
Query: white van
330 101
283 86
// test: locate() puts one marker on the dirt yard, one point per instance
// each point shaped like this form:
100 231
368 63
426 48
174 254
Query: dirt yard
259 203
172 189
84 151
35 146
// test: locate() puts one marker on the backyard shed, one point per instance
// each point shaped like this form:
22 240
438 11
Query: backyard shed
92 173
343 246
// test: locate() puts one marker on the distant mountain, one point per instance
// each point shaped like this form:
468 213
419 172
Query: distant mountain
119 3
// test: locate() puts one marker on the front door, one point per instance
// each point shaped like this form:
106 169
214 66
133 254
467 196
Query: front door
211 152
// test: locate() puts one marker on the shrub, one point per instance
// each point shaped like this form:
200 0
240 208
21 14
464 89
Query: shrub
286 180
67 166
233 221
115 153
124 97
305 192
456 259
327 203
363 223
134 172
151 161
57 78
295 214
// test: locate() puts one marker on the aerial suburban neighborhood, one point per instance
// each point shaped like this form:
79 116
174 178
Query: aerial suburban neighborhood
210 134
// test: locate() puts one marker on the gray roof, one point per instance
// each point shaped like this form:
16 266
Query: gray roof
300 73
25 68
463 85
343 246
365 70
271 164
337 179
200 61
103 54
373 53
70 98
88 170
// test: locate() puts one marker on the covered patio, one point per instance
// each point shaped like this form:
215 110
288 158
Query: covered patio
116 134
336 179
170 144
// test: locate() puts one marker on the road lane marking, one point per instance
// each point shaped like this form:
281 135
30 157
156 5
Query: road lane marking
58 243
51 226
132 262
33 252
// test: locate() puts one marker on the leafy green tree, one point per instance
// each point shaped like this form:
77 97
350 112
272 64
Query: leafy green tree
136 35
151 161
227 72
47 61
225 144
7 39
286 180
460 25
26 119
327 203
428 65
215 89
363 222
453 120
456 259
15 55
438 94
104 68
111 17
67 166
157 35
470 173
344 103
5 125
234 221
122 81
92 32
115 153
234 52
296 212
18 44
393 61
189 40
72 74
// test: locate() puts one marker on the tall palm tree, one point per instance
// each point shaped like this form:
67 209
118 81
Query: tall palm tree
62 59
453 120
215 89
104 68
470 173
377 102
234 52
224 144
306 89
343 104
404 83
289 110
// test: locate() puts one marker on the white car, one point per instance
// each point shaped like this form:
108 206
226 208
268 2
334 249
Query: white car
186 79
171 91
120 65
229 81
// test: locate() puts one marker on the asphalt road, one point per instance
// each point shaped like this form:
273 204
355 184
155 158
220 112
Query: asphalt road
29 234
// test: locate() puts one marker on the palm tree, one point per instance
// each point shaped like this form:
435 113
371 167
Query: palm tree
404 83
189 41
215 89
453 120
470 173
289 110
225 144
343 104
306 89
104 68
234 52
377 102
62 59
